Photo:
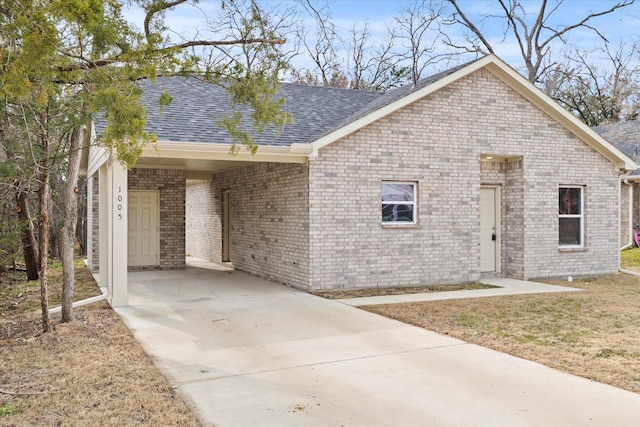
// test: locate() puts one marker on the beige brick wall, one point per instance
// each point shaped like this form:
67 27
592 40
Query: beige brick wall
172 186
204 221
269 220
437 142
93 251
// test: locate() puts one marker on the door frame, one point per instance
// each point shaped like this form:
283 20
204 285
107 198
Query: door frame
497 212
157 218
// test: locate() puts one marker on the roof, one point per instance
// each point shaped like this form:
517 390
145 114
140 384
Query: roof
197 106
624 135
324 115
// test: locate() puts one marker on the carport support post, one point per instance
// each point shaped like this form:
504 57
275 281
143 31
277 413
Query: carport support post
103 229
117 229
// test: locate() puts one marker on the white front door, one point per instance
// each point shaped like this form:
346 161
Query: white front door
143 235
489 229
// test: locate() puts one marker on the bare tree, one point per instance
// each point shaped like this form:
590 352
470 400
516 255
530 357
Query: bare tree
374 65
420 36
598 86
534 33
322 47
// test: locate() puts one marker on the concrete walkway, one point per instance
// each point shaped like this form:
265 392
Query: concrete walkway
506 287
245 351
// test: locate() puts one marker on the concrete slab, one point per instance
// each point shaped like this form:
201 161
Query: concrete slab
505 287
245 351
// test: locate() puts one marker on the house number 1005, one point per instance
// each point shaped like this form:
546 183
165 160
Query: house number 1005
119 205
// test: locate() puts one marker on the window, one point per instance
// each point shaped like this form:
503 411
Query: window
398 202
571 216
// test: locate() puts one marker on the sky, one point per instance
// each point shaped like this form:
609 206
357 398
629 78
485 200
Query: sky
623 25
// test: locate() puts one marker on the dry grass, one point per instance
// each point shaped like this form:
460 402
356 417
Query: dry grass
88 373
594 333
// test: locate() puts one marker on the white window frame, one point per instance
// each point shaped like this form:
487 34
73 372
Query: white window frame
580 216
413 202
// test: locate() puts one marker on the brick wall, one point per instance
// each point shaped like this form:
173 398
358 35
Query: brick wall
437 142
269 220
203 221
93 251
172 187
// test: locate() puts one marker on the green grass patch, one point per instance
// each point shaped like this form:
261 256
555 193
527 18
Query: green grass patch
609 352
9 409
469 321
630 257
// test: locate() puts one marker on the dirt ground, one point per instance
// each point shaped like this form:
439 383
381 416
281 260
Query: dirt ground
91 372
594 333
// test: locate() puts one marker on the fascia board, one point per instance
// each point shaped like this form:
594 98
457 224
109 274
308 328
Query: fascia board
541 100
631 178
296 153
97 155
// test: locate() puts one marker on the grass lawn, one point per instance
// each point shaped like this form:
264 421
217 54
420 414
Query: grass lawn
594 333
630 259
88 373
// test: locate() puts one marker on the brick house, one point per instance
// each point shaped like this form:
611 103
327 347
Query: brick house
471 172
626 137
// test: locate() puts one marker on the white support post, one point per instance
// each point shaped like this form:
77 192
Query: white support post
103 228
118 230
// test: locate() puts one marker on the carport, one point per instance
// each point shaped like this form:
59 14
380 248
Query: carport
109 225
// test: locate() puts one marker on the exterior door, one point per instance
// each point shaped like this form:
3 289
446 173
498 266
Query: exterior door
143 238
226 227
489 229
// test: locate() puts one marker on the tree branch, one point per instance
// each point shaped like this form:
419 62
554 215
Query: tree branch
155 8
471 26
557 33
89 64
224 43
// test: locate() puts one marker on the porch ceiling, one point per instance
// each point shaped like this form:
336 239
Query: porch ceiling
197 165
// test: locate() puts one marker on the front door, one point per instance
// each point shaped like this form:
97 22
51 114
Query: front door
143 235
489 229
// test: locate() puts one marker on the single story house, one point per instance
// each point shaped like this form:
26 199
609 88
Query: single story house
625 136
470 172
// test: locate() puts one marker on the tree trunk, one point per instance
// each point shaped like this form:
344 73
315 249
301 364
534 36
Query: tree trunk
45 198
81 227
29 245
70 222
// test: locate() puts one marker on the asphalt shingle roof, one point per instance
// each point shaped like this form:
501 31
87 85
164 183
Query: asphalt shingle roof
197 106
625 136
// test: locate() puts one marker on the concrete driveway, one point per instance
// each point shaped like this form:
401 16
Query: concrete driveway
245 351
